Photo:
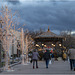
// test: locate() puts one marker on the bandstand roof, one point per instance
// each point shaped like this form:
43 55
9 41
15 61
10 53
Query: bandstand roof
48 34
48 37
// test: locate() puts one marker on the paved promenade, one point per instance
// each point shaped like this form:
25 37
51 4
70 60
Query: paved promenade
58 67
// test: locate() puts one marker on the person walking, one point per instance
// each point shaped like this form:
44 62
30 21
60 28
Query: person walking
71 54
52 56
64 56
47 57
35 56
55 55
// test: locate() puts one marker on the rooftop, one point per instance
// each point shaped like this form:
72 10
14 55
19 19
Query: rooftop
47 34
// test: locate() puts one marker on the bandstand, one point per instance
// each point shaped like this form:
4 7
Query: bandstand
49 40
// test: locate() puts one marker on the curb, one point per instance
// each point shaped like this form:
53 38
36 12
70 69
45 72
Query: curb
2 69
14 64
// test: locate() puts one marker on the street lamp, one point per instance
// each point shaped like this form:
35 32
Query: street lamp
52 44
37 45
45 46
42 44
59 44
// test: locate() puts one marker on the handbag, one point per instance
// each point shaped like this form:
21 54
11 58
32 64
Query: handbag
50 62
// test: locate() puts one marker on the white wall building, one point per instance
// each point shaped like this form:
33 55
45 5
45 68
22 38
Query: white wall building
13 46
13 36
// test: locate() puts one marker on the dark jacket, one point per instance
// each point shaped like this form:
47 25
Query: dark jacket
47 55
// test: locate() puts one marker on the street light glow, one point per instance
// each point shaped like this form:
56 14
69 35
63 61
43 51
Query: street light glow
52 44
45 46
59 44
37 45
42 44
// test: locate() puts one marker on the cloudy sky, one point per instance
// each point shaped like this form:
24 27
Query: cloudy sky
59 15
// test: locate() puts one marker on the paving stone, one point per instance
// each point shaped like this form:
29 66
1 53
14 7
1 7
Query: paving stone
58 67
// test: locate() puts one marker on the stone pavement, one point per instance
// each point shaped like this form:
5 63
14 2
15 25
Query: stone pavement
58 67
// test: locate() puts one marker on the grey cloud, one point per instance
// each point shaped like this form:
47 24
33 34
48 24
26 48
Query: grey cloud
14 2
59 15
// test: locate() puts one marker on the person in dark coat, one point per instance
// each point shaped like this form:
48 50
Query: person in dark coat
47 57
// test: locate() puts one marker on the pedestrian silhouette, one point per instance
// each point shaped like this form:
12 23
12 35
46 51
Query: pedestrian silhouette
71 54
47 57
35 56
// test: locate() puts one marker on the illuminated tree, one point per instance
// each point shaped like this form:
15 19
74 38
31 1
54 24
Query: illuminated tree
22 45
9 20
